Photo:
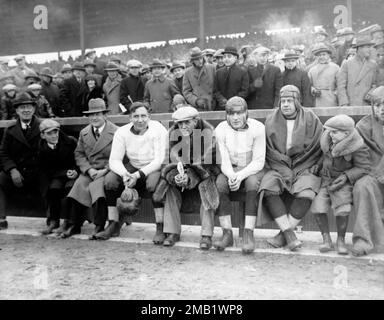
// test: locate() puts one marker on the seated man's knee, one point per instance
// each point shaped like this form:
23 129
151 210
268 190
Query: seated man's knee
222 183
152 180
252 183
112 181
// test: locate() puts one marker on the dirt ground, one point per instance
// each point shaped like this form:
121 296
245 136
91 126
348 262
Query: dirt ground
49 268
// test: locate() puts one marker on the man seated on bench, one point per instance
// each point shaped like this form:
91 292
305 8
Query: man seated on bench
241 143
143 143
293 156
192 165
92 156
18 154
58 167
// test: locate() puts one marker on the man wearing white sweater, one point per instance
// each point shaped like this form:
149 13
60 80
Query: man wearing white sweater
242 148
143 143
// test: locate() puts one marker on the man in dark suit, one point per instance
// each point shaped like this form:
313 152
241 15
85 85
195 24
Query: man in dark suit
72 92
18 154
231 80
58 167
265 82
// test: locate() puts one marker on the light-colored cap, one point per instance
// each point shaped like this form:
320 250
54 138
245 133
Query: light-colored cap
48 125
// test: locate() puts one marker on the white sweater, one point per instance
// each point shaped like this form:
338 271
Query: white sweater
145 152
244 149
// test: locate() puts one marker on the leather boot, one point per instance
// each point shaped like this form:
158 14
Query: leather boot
73 229
278 241
97 230
225 241
248 241
171 239
205 243
52 225
159 235
3 224
341 224
62 228
113 230
292 242
327 245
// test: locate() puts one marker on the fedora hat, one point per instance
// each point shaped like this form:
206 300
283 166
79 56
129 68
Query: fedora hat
290 55
363 41
78 66
23 98
195 53
347 31
321 47
231 50
89 62
95 106
176 65
32 74
156 63
114 58
66 67
46 72
111 67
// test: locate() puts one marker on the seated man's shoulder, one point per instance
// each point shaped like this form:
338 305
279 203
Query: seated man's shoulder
157 126
253 123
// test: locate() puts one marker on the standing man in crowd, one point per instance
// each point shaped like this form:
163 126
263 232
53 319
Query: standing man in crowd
20 71
323 77
346 37
50 90
241 142
100 64
160 90
89 67
178 70
265 81
357 76
111 88
18 154
198 82
232 80
132 87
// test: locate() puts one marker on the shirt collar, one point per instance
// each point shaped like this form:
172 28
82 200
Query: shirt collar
100 129
24 125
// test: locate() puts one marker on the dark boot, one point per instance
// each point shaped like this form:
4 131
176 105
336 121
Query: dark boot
53 224
159 235
248 241
225 241
62 228
292 242
72 230
205 242
341 224
278 241
113 230
97 230
322 222
3 224
171 239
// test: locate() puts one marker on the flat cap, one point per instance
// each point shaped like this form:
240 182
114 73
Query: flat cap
185 113
9 87
134 64
340 122
48 125
34 86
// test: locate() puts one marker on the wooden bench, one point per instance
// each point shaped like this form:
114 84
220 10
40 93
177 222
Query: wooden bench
21 206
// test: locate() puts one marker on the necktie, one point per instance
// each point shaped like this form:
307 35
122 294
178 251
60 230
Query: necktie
97 133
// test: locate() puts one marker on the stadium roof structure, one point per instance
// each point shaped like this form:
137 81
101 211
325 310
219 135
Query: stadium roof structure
79 24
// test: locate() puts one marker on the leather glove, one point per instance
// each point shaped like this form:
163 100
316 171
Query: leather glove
17 178
338 182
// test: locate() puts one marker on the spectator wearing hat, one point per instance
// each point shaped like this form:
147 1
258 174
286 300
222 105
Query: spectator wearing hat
18 154
43 108
178 70
321 35
31 78
50 90
90 66
368 192
100 64
218 59
92 157
241 142
58 80
293 153
198 82
57 165
117 61
232 80
323 77
208 55
292 75
346 37
143 143
357 76
245 56
265 81
93 90
72 92
21 70
190 164
160 90
146 72
66 71
345 160
111 88
132 87
299 50
6 78
7 109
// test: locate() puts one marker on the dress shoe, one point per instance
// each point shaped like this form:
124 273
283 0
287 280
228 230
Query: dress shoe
171 239
278 241
64 227
340 246
96 231
52 225
205 243
70 232
113 230
225 241
3 224
248 241
327 245
292 242
159 235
